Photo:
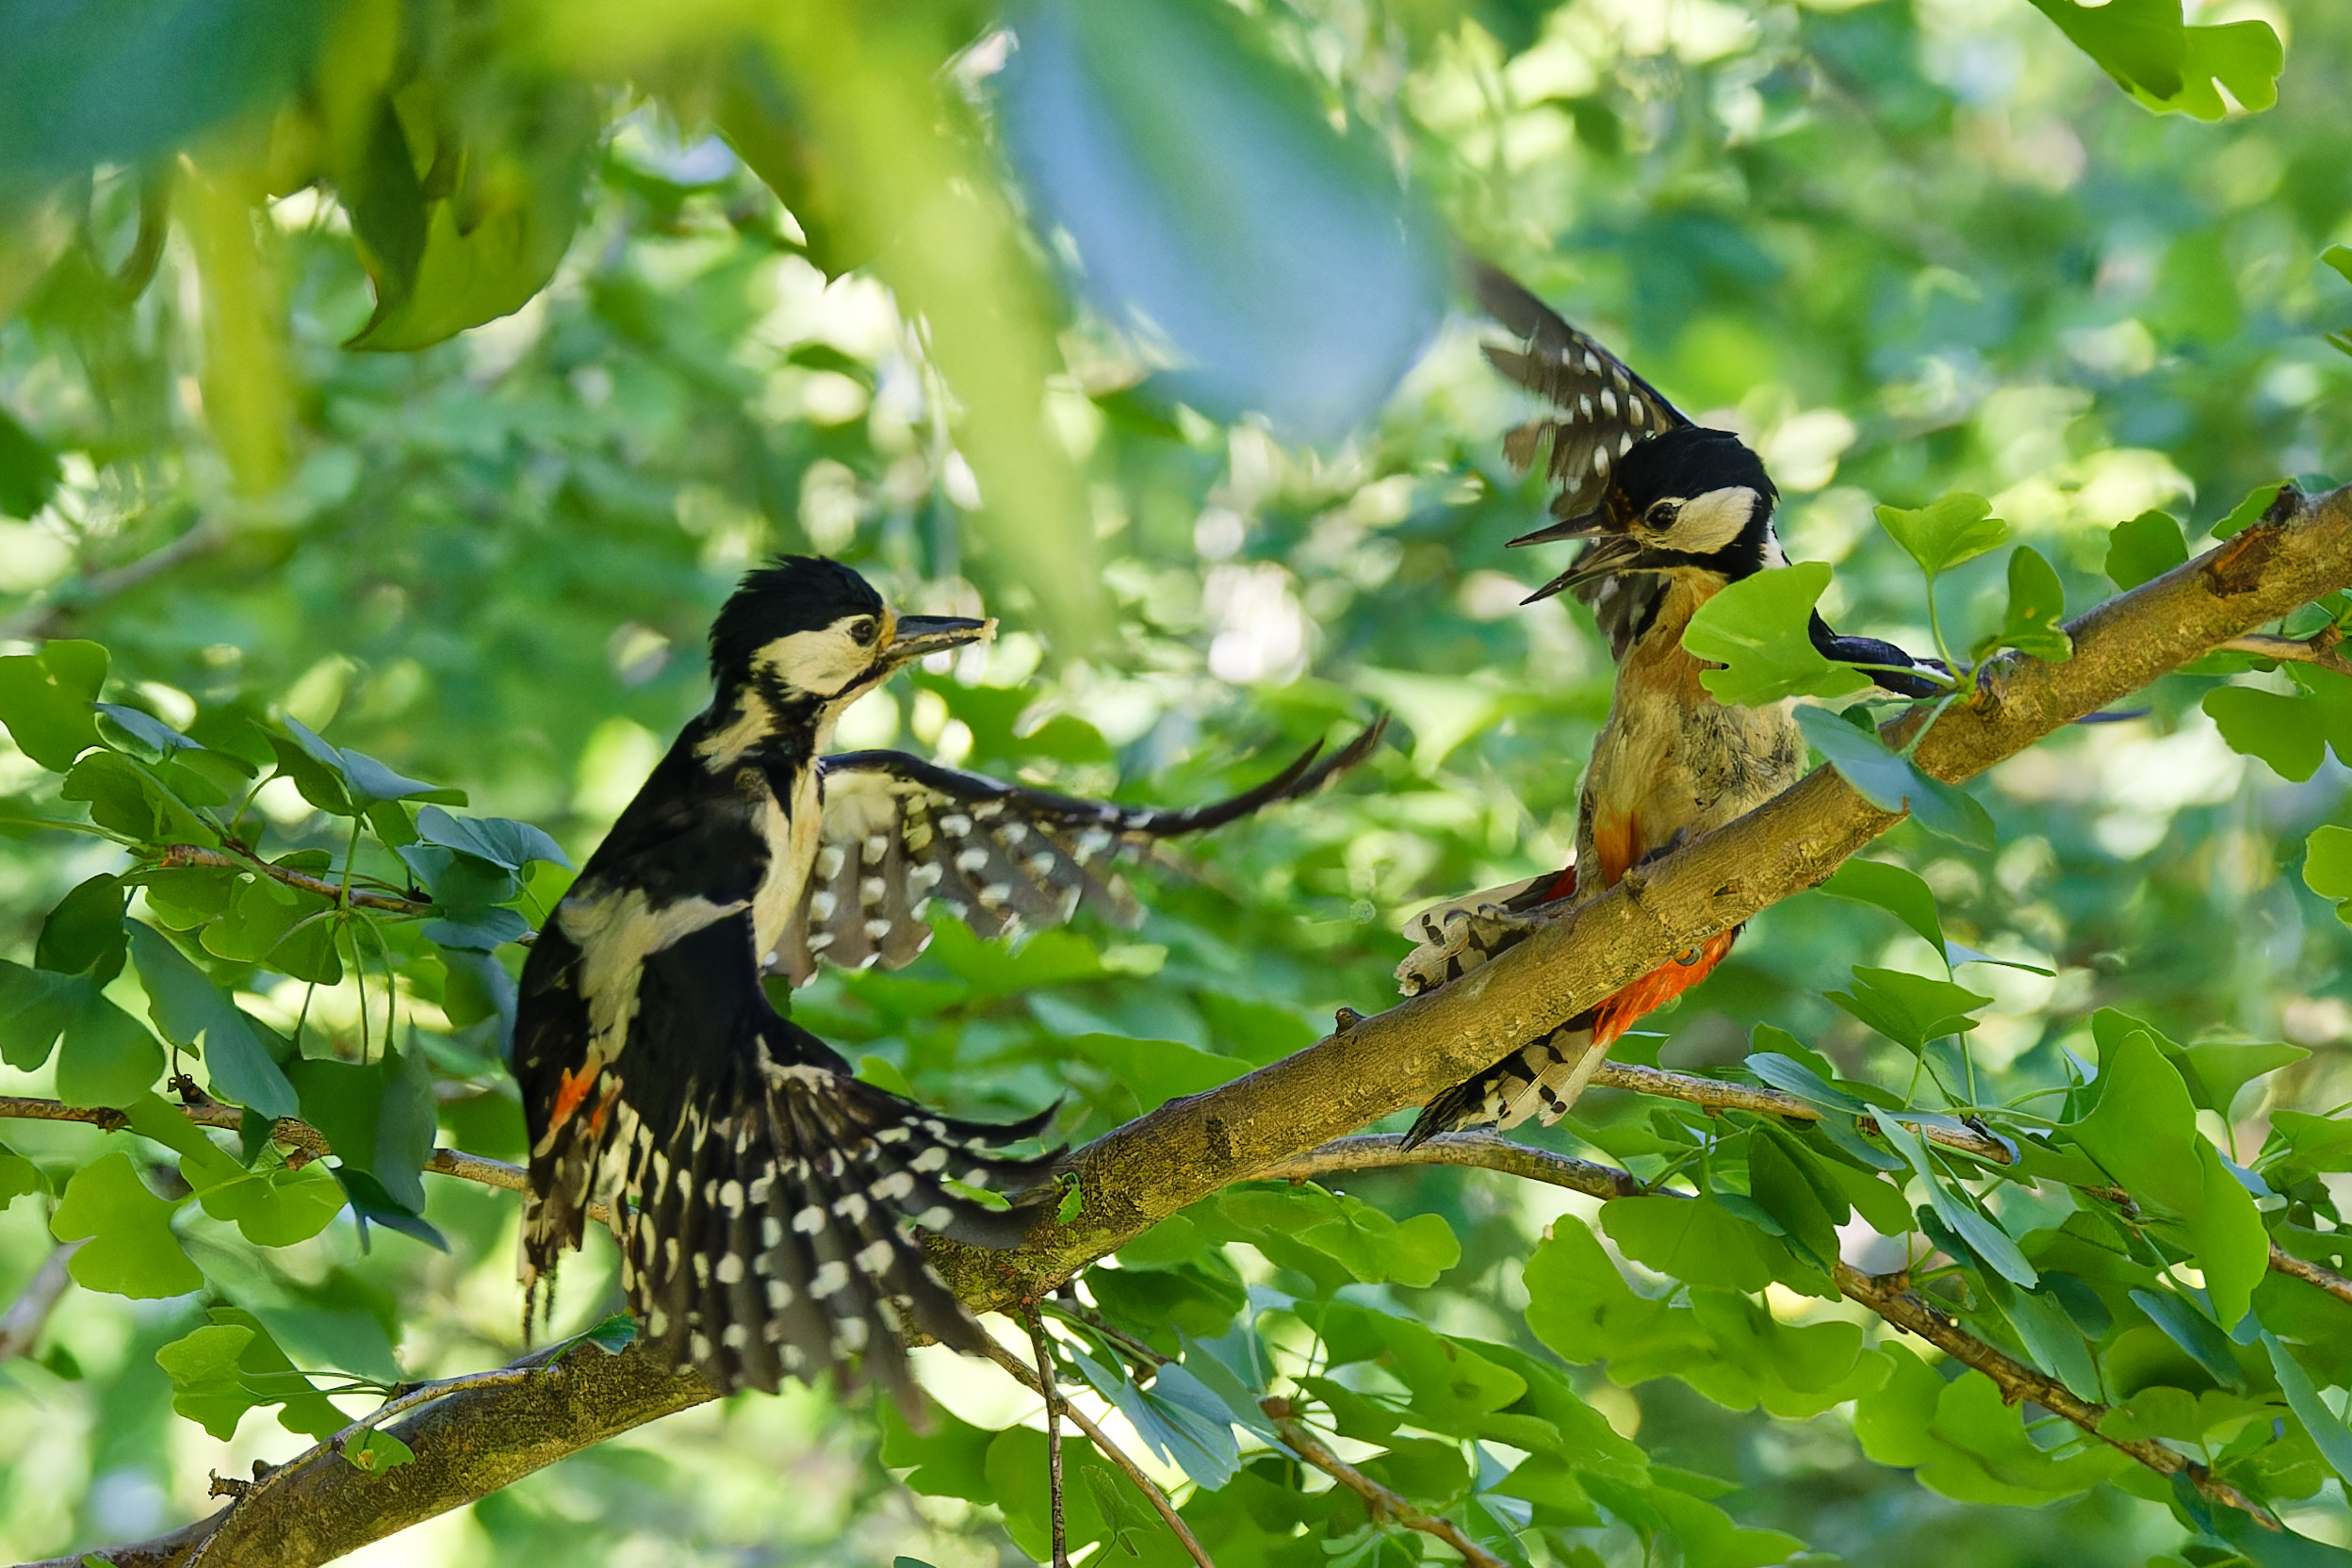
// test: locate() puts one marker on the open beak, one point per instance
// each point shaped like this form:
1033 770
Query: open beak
919 636
1609 555
1587 526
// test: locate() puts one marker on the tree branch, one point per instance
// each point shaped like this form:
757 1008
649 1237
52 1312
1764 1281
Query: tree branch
1187 1148
21 1324
1141 1172
205 535
1385 1507
189 855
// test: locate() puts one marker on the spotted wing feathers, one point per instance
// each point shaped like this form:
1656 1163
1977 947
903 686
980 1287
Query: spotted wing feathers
1542 1078
777 1202
1600 408
900 833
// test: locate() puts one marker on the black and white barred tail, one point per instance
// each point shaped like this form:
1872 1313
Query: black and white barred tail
1542 1078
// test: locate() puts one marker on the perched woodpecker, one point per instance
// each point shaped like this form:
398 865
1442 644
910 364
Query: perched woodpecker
766 1203
1669 514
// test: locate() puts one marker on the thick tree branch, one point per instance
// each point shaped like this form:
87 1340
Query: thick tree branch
1190 1148
1152 1167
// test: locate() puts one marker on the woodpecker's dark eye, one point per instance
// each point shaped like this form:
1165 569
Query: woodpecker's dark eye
1662 515
861 630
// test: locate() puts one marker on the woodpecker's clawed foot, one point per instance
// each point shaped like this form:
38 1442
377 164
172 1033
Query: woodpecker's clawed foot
1345 1018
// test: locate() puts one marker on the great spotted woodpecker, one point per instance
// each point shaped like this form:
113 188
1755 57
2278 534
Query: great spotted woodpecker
766 1203
1670 514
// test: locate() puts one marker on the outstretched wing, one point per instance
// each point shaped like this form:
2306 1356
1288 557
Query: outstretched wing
900 832
1601 408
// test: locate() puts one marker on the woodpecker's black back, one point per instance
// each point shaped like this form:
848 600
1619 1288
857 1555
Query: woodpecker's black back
767 1204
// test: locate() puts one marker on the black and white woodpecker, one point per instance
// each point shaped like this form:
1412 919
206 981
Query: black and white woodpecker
768 1206
1669 514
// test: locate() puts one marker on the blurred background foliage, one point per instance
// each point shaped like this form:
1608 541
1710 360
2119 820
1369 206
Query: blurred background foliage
426 372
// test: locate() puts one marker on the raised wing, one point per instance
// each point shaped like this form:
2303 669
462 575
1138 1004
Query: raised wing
900 832
1601 408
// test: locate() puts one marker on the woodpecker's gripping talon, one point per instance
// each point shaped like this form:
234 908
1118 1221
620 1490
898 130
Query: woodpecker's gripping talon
1692 957
1344 1020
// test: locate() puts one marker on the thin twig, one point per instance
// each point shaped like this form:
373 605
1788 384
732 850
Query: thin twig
1372 1150
2320 649
424 1394
40 620
1111 1452
21 1324
2310 1273
1890 1297
1716 1095
1385 1507
1053 1432
190 854
290 1131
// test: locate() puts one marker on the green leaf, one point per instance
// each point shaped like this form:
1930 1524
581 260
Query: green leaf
1959 1211
188 1007
19 1177
1758 630
345 783
84 934
1581 1307
1177 1417
499 840
1891 783
28 470
2327 1428
35 1007
132 1251
1154 1071
1073 1203
378 1117
2196 1333
613 1334
454 256
2038 612
1693 1239
948 1461
1361 1239
1957 529
376 1451
127 796
2339 257
45 698
2218 1070
2273 725
272 1204
2243 57
2171 67
1904 894
139 733
2249 511
1808 1208
231 1366
1908 1008
2327 866
2143 1132
107 1057
2143 549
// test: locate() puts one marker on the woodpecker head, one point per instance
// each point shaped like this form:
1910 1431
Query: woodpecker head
802 637
1686 500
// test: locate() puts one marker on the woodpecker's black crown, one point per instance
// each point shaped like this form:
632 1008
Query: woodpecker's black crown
1689 462
793 593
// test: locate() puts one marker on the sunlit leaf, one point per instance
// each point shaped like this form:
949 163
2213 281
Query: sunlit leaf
1957 529
2144 550
2037 610
188 1007
2273 725
45 700
131 1249
1892 783
1758 630
1909 1009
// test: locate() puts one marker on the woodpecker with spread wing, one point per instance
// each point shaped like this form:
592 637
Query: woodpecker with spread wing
1669 514
766 1203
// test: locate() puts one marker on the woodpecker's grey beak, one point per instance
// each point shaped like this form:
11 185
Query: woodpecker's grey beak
1589 526
1609 555
920 636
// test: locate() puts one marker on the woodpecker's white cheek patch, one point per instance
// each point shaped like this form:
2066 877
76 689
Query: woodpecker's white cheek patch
824 662
1706 523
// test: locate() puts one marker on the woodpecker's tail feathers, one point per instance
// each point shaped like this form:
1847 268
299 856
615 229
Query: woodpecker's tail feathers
1462 933
900 833
782 1237
1541 1078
